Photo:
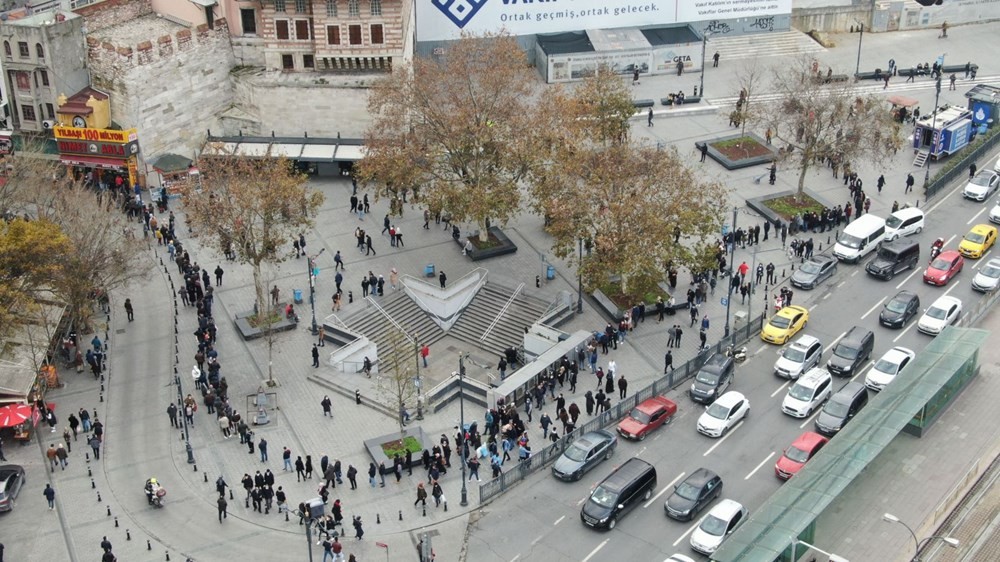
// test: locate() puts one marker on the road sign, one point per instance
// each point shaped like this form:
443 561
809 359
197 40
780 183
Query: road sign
725 301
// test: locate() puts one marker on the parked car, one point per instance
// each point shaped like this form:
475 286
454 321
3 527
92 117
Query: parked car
978 241
720 522
982 185
713 378
800 356
12 479
693 494
943 312
947 265
586 452
904 222
887 367
798 453
785 324
900 308
647 416
851 351
730 409
814 271
988 277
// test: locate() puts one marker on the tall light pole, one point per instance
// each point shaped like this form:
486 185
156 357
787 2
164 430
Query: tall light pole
313 271
704 45
732 272
930 152
950 541
579 279
461 425
861 28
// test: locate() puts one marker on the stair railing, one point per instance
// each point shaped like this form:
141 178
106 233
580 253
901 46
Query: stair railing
499 315
392 320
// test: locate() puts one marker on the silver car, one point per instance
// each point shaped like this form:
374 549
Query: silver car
583 454
988 277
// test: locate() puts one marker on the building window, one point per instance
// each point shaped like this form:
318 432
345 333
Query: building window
44 76
354 34
287 62
28 112
376 7
377 35
331 8
300 6
353 9
23 81
302 30
39 51
308 61
248 17
6 48
333 35
50 110
281 29
22 49
279 6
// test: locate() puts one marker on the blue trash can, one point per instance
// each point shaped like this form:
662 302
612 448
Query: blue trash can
550 272
297 294
429 270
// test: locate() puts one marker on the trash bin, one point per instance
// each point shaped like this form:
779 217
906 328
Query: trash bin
429 270
550 273
297 294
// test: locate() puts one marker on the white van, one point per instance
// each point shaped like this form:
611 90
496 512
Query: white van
903 222
808 393
859 238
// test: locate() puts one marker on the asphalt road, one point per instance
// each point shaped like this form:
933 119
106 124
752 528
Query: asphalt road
539 520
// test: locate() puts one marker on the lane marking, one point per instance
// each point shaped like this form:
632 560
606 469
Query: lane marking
558 521
858 374
690 529
583 499
829 347
761 348
594 552
855 272
976 216
907 278
759 465
878 304
983 259
813 307
943 199
516 558
665 488
724 437
826 296
534 542
957 282
906 329
841 284
780 388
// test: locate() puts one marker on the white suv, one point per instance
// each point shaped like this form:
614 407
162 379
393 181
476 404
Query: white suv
808 393
803 354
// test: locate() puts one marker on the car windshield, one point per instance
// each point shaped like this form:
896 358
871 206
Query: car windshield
849 241
990 270
800 392
937 313
714 526
795 454
896 305
975 237
794 354
639 416
708 377
845 351
836 409
941 264
781 322
604 497
718 411
893 222
982 179
688 491
887 367
577 452
810 267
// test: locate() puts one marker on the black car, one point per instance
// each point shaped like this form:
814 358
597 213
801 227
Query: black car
629 485
585 453
712 379
693 494
814 272
11 482
898 311
851 352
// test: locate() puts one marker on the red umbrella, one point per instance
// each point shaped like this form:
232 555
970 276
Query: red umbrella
14 414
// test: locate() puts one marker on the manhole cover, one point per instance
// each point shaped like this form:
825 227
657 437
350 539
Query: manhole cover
120 331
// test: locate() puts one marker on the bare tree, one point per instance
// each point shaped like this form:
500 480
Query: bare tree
751 77
397 366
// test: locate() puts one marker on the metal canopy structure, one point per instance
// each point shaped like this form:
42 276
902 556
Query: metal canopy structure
301 149
932 380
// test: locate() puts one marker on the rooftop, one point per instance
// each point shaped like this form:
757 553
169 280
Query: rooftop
44 18
145 28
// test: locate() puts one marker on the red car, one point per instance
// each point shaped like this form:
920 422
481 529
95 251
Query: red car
646 417
802 449
943 268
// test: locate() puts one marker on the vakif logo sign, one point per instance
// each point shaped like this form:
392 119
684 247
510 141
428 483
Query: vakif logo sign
439 20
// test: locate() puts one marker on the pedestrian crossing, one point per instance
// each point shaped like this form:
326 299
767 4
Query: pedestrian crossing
781 43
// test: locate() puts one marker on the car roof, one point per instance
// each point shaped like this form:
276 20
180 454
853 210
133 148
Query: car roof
700 477
625 474
945 301
949 254
593 438
653 404
813 376
730 398
791 310
982 229
907 213
805 341
849 390
897 353
808 440
904 294
9 469
987 171
726 509
854 335
821 259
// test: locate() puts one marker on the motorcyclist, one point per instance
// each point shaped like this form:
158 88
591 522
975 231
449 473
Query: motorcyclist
936 248
151 486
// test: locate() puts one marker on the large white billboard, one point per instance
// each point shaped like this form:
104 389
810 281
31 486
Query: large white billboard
439 20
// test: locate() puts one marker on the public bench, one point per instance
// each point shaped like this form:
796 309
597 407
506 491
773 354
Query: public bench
640 104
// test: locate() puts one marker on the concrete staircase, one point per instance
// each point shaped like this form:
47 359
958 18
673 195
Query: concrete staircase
783 43
414 321
509 330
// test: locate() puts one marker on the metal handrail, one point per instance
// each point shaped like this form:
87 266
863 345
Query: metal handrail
471 295
392 320
500 314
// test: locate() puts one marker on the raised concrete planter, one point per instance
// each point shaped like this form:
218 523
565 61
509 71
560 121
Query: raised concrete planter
742 163
505 247
248 332
374 448
757 204
610 310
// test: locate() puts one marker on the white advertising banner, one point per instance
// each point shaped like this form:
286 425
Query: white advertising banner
441 20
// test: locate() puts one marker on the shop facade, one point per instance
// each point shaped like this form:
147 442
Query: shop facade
100 155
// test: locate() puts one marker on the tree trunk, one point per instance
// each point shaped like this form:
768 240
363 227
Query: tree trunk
804 167
484 231
259 292
623 283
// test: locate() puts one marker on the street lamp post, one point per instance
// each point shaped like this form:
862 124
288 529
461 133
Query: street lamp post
187 433
934 133
579 279
861 28
830 555
461 425
704 46
732 254
311 264
919 544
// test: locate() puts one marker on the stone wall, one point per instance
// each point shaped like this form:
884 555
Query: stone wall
172 87
834 19
112 12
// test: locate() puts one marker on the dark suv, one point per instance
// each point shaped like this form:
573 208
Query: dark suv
851 351
712 379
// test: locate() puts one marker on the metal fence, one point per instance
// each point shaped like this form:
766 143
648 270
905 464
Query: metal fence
972 316
499 485
940 182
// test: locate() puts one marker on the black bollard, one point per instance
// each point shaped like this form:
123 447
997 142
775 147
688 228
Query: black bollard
205 474
102 397
357 396
109 511
102 387
425 509
87 455
92 485
400 514
116 522
783 271
246 503
446 506
230 494
168 555
286 515
98 497
196 468
378 519
89 473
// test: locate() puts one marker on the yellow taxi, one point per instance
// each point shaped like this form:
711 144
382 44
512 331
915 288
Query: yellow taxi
980 239
785 324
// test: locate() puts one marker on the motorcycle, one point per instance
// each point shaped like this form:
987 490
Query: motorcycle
738 355
154 493
936 248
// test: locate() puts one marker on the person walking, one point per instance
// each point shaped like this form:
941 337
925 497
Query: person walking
50 496
421 495
359 532
327 405
650 117
129 310
218 275
300 470
443 279
315 356
909 183
352 476
95 445
425 350
668 362
62 455
262 447
223 505
622 387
